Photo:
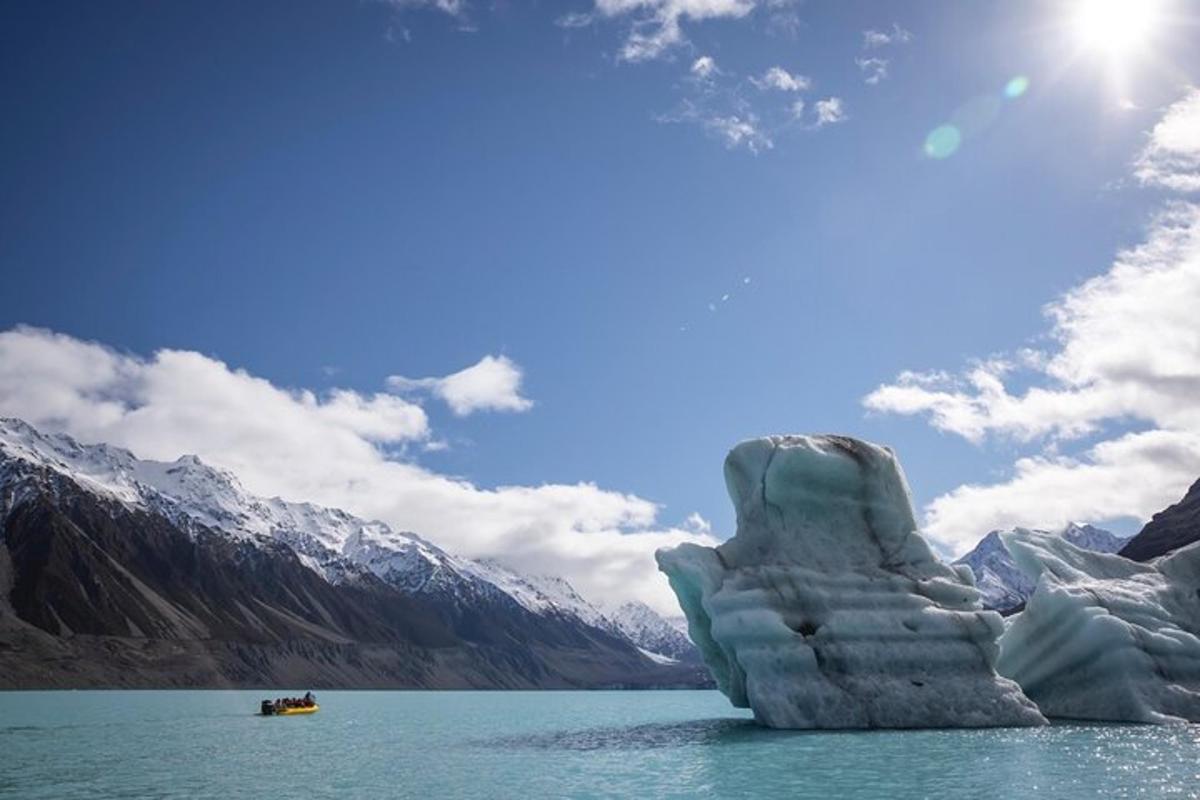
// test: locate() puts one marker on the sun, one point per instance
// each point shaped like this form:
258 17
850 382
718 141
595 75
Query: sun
1114 28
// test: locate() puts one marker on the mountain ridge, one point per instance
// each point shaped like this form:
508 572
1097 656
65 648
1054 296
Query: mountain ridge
360 583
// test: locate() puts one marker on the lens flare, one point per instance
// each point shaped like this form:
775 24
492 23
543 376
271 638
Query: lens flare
943 141
1016 87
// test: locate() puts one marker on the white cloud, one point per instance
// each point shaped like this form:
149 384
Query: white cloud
704 67
1124 352
574 20
876 38
337 449
455 8
1127 346
697 523
830 111
780 79
493 384
874 70
1171 159
737 131
1130 476
735 128
656 23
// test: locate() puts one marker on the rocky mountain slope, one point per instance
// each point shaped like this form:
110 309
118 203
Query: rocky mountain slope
115 571
1168 530
654 634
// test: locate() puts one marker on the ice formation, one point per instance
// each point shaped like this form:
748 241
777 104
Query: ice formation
1103 637
1002 585
828 610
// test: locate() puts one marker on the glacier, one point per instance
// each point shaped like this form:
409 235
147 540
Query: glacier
828 610
1103 637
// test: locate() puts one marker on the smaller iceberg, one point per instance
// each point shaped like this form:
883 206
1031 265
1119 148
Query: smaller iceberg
828 610
1103 637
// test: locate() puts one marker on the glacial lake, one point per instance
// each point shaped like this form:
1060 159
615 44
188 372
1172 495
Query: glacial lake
210 744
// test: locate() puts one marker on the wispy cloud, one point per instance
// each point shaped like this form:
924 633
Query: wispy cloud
750 112
1125 352
780 79
830 111
493 384
575 19
705 67
735 130
656 25
458 10
874 69
874 38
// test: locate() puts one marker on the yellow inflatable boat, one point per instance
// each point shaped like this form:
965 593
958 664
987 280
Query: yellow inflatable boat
269 709
287 712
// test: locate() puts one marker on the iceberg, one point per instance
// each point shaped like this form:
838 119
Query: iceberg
1103 637
828 610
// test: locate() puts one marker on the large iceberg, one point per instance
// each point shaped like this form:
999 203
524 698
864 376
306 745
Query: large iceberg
1103 637
828 610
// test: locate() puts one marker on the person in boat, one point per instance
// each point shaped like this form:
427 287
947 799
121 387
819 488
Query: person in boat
309 700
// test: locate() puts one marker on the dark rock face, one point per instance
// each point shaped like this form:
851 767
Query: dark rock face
1168 530
95 594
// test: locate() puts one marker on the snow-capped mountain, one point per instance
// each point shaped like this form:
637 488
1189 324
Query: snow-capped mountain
202 502
332 542
651 632
1003 585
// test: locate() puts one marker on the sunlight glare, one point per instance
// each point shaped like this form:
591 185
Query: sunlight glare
1114 27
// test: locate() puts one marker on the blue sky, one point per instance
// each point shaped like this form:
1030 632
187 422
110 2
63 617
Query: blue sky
326 194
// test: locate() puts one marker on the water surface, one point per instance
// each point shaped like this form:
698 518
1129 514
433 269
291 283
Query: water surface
191 744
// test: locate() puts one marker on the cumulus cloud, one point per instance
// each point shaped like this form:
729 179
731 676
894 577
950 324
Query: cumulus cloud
1129 476
1124 353
341 448
493 384
1172 157
781 80
1127 346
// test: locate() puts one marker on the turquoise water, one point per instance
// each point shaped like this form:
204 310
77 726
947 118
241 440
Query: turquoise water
66 745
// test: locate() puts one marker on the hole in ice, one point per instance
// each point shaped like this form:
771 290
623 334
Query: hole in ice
804 627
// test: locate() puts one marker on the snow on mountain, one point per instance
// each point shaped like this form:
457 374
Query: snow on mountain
652 633
1002 584
541 594
333 543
